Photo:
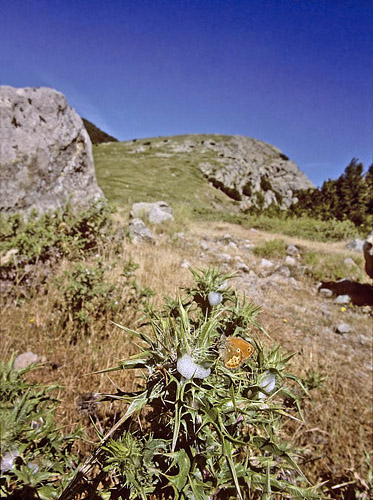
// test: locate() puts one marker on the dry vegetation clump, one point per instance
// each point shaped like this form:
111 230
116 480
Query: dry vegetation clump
337 369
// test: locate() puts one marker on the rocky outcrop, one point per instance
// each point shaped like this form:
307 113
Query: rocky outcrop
252 172
46 154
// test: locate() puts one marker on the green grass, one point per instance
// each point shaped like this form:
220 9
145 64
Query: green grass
167 168
157 172
271 249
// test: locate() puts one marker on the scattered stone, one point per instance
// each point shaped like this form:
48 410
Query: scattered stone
204 245
265 263
356 244
223 257
185 264
46 153
325 292
26 359
292 250
241 266
227 238
214 298
139 232
290 261
283 271
343 328
342 299
155 213
233 245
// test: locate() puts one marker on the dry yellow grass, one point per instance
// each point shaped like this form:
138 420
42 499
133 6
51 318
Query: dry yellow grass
338 419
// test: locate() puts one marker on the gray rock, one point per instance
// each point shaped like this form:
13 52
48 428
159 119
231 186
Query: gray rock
223 257
139 232
355 244
343 328
325 292
244 167
26 359
46 153
292 250
204 245
342 299
155 213
290 261
185 264
214 298
284 271
265 263
241 266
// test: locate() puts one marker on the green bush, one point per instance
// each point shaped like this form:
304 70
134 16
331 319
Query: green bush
206 430
322 266
53 235
86 295
305 227
36 458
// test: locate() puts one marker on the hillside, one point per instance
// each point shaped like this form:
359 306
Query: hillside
97 135
200 171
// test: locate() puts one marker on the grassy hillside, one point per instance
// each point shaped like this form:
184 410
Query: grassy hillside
157 169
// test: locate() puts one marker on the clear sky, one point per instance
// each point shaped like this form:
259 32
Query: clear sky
295 73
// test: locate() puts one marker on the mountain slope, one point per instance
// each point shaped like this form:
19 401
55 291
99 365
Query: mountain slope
187 170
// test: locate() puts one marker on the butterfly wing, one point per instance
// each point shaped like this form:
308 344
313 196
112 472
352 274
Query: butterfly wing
237 351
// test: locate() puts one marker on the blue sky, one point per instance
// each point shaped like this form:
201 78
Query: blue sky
295 73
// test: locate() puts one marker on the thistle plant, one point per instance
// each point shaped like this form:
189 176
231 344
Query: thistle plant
206 431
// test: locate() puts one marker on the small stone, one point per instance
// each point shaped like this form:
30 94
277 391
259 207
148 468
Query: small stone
139 232
232 245
214 298
223 257
356 244
24 360
283 271
292 250
342 299
325 292
290 261
343 328
185 264
266 263
204 245
241 266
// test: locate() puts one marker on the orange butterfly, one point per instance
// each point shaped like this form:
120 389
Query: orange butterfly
236 352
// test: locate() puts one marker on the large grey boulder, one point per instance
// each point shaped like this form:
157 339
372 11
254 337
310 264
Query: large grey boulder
45 152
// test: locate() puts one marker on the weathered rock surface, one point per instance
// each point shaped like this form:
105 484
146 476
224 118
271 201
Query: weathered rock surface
46 154
139 232
155 213
252 171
